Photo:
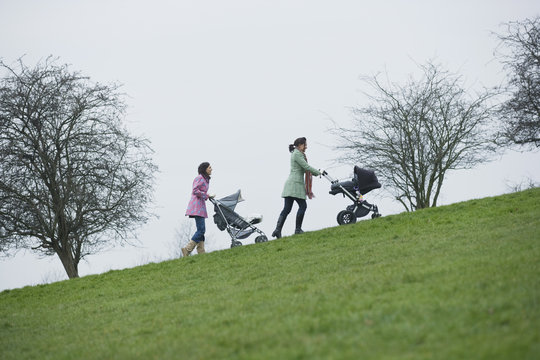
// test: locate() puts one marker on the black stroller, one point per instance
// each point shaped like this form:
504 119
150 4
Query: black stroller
237 226
363 182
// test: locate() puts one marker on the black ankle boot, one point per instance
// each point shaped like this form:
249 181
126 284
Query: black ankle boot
279 226
299 220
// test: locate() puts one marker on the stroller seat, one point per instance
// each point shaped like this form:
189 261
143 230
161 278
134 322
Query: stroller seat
349 185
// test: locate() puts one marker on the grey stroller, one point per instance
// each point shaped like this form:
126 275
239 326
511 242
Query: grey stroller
362 182
238 227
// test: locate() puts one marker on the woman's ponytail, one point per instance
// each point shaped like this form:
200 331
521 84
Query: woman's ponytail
299 141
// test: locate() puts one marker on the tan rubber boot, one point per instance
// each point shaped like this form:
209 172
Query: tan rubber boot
189 248
200 247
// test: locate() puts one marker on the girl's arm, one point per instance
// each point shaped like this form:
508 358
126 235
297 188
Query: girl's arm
199 188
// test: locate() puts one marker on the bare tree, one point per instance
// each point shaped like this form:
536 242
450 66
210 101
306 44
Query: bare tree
412 135
182 235
519 51
73 181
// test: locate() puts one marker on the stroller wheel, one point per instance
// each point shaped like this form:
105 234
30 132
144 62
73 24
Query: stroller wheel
261 238
376 215
235 243
346 217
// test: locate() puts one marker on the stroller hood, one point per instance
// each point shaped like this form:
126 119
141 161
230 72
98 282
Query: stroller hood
231 200
367 180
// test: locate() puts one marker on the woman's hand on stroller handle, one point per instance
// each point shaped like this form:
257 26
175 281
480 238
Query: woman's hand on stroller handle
328 177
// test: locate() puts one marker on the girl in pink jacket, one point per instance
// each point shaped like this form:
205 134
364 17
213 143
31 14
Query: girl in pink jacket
197 208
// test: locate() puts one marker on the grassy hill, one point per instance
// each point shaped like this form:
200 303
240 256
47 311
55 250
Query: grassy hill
454 282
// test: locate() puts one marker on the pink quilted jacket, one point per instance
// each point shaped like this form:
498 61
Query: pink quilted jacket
197 205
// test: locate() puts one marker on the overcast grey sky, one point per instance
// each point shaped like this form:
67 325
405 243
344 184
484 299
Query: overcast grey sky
234 82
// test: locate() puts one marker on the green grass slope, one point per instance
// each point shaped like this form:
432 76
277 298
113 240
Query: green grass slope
454 282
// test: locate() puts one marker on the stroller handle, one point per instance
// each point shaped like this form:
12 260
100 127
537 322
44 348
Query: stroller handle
329 178
213 200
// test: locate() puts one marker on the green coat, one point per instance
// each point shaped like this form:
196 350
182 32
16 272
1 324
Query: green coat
295 185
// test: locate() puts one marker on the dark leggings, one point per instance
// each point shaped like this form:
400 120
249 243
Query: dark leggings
302 206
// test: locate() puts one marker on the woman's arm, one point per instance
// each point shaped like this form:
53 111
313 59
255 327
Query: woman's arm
199 188
299 158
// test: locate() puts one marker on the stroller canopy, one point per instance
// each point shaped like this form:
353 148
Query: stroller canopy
231 200
366 179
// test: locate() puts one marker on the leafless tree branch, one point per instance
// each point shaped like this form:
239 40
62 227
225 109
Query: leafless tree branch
519 51
72 179
413 134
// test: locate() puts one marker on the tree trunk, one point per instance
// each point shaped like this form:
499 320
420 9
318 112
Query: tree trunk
69 263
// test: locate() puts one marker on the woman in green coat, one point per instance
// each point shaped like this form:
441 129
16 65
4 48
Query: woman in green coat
297 186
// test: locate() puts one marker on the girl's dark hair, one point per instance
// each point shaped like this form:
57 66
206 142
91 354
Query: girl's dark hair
202 170
299 141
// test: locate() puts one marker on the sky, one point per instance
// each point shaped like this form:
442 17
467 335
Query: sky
235 82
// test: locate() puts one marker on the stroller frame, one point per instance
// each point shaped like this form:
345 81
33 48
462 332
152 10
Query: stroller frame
238 225
359 208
